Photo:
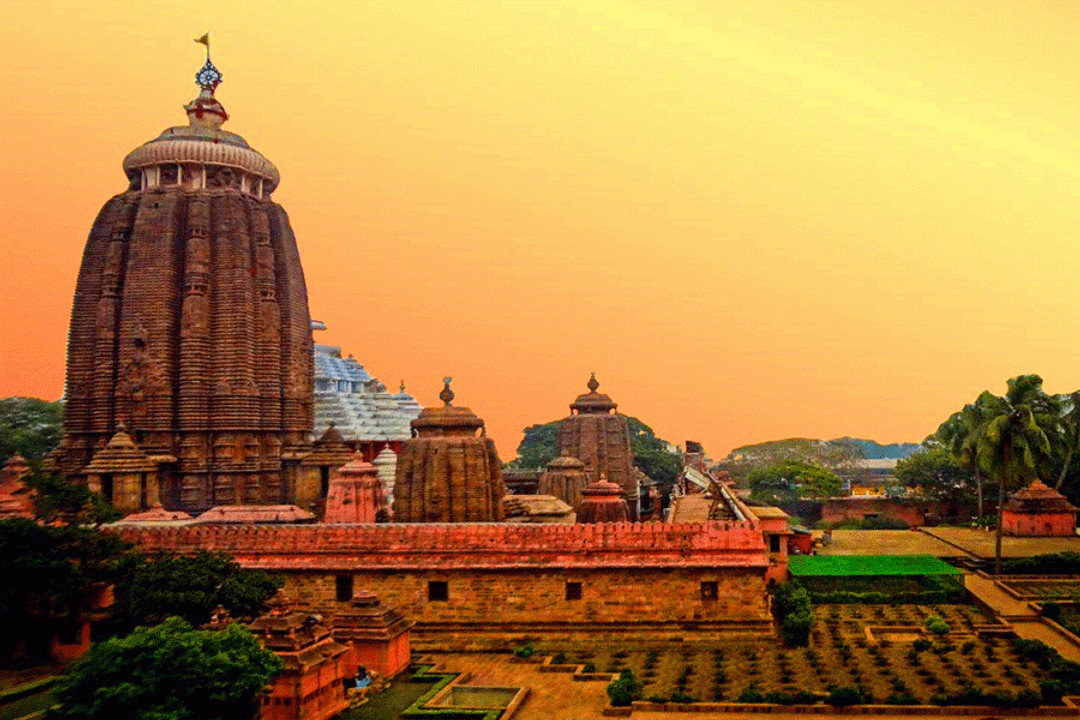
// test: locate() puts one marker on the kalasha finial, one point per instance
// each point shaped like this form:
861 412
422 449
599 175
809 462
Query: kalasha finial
593 384
447 394
402 388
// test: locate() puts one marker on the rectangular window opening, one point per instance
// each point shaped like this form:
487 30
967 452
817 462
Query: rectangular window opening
710 590
344 587
573 591
438 591
774 543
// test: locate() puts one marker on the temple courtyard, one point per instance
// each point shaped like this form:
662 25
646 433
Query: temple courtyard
972 543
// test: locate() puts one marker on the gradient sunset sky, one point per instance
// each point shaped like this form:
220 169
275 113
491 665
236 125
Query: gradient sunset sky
753 220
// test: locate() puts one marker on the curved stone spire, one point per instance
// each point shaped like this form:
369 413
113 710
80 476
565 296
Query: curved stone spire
600 438
190 322
447 473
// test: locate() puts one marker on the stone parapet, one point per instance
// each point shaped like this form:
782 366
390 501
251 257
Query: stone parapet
475 546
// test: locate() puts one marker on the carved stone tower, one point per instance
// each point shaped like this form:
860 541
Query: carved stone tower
447 473
190 322
599 437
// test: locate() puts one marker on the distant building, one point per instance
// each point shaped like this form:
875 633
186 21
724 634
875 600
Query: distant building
869 477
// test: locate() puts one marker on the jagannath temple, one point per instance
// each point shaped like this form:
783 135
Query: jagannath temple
190 323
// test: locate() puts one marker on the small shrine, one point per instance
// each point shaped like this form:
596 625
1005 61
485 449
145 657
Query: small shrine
564 479
380 635
124 475
602 501
1038 510
328 453
312 684
356 494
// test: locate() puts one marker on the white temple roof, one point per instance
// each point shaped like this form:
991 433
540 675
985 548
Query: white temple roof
357 403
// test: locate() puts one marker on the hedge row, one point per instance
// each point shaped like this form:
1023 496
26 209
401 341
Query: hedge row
922 597
1062 563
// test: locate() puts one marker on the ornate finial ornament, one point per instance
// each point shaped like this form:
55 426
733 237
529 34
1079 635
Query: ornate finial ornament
402 389
205 110
593 384
209 77
447 394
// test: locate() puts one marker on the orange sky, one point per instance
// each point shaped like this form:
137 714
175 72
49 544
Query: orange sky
753 220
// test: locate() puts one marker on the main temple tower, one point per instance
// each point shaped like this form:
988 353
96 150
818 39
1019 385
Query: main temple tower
190 322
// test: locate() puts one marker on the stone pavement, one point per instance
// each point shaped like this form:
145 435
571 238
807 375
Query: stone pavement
886 542
980 543
552 696
1024 620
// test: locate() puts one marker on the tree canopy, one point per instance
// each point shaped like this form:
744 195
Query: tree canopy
51 574
189 586
792 480
56 500
169 672
539 446
1015 438
934 473
30 427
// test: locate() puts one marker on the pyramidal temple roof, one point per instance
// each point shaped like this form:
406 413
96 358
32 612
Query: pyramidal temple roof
360 407
1038 498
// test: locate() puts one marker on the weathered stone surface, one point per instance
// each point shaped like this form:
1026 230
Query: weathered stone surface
602 502
504 578
190 324
564 479
311 684
356 495
599 437
537 509
447 474
16 497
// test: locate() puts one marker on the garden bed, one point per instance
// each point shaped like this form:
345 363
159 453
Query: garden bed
840 654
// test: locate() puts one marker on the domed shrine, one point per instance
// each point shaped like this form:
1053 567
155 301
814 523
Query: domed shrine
1038 510
190 322
602 501
447 473
600 438
564 479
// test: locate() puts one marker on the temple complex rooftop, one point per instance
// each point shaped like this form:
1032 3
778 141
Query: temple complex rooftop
360 406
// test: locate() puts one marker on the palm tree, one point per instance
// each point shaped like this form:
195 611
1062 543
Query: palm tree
960 434
1070 426
1014 444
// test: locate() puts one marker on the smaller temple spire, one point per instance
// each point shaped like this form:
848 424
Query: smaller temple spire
447 395
593 385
